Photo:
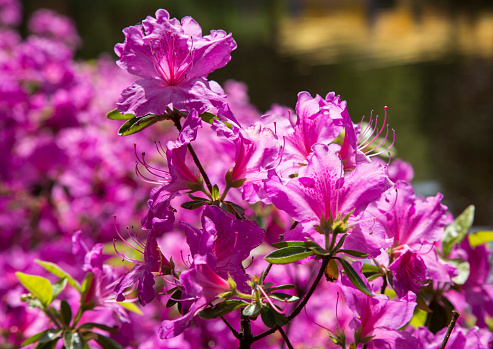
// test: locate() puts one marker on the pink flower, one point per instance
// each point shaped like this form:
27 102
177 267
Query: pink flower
173 59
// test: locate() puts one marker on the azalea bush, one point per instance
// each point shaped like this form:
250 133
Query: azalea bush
186 218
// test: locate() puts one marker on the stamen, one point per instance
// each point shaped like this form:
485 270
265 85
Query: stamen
373 140
121 237
388 148
272 304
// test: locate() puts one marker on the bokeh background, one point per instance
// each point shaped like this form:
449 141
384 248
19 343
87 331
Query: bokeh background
430 62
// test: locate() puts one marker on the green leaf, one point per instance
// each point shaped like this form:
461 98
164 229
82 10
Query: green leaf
289 243
66 312
271 318
38 286
370 268
354 277
480 237
58 287
464 270
115 115
236 209
354 253
283 297
455 232
192 205
281 287
56 270
42 337
268 317
86 283
72 340
135 124
90 325
222 308
252 310
130 307
107 343
207 117
288 255
173 298
50 335
47 345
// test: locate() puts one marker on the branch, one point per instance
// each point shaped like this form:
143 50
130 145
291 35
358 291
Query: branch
455 316
300 306
235 333
285 337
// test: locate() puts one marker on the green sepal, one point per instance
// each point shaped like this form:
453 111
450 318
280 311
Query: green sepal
43 337
115 115
90 325
73 340
252 310
238 183
56 270
107 343
215 192
137 124
354 277
354 253
39 286
340 242
289 255
222 309
58 287
65 312
283 297
457 230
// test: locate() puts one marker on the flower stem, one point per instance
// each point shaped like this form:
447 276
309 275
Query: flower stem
235 333
195 158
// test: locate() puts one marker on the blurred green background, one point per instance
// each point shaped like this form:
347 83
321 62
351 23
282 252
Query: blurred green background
430 62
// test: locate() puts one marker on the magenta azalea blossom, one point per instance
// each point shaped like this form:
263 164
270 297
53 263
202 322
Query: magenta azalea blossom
225 241
317 120
322 189
173 60
416 225
142 272
217 250
377 319
161 215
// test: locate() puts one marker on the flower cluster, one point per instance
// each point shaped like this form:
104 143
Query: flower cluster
291 226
